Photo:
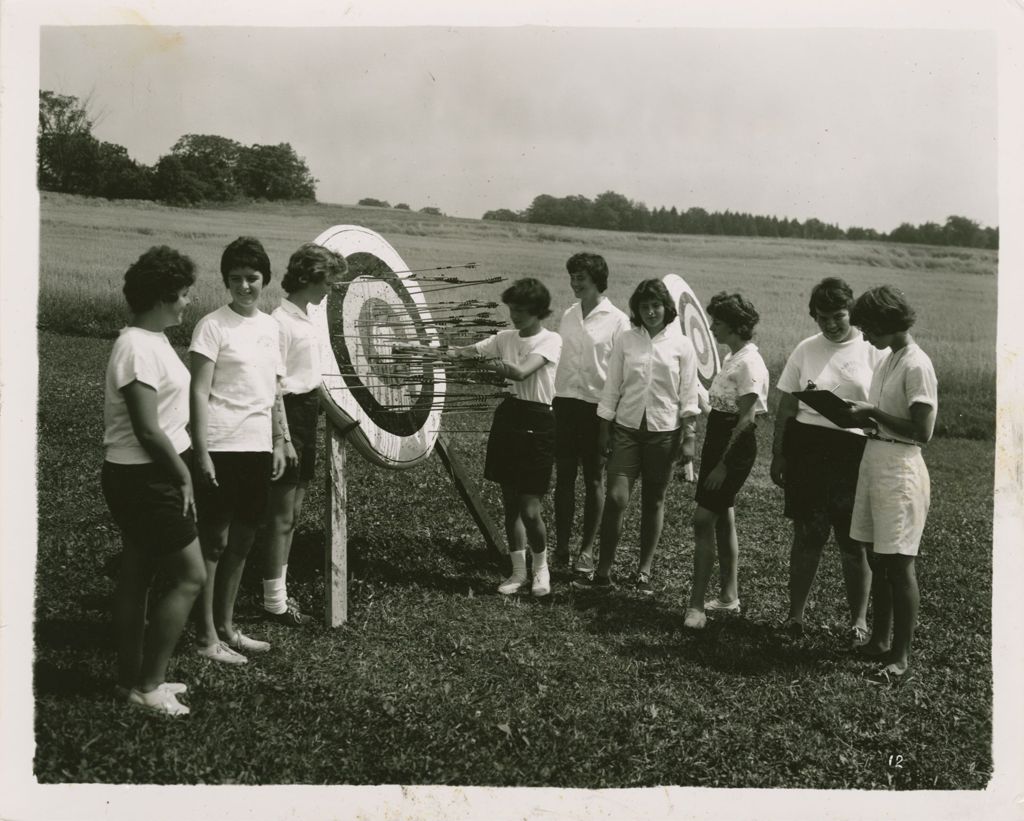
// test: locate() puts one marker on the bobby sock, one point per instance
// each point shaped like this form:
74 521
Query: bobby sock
540 560
275 595
518 563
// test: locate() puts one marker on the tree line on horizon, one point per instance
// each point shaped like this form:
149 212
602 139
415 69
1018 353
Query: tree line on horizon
206 168
612 211
199 167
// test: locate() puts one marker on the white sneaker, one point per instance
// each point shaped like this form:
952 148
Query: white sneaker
242 642
175 688
158 701
541 582
695 619
220 652
513 584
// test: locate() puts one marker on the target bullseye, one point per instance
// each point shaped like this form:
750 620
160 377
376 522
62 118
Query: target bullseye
695 325
396 404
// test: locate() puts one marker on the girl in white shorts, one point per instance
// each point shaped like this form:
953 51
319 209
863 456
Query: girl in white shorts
893 490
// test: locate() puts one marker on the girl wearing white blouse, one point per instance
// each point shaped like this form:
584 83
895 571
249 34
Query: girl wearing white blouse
738 394
651 396
521 444
312 271
146 480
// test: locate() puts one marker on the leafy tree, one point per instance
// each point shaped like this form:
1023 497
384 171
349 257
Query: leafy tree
68 152
430 209
120 177
274 172
175 183
503 215
212 160
403 206
374 203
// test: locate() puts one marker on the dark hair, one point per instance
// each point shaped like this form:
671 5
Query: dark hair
311 264
831 294
651 290
529 294
157 276
883 309
593 265
245 252
736 312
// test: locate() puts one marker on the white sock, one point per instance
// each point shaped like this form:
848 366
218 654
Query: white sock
518 563
274 595
540 560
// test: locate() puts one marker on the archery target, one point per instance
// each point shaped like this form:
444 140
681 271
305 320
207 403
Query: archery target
396 401
696 326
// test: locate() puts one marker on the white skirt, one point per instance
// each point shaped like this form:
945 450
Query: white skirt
893 495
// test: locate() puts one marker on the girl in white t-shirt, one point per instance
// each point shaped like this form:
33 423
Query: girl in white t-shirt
146 480
893 486
312 271
738 394
521 445
241 440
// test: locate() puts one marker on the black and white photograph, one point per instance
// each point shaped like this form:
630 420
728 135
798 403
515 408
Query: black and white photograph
565 411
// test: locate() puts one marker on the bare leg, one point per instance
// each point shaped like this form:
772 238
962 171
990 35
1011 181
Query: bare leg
906 600
213 540
704 527
530 514
232 564
593 508
130 612
620 488
728 556
652 520
168 617
857 579
283 516
515 531
881 606
804 557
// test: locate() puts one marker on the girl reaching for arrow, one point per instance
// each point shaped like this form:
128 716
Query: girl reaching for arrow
521 444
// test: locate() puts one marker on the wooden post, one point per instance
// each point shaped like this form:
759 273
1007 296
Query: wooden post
336 569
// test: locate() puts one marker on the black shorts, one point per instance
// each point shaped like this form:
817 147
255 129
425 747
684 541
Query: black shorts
243 486
821 475
301 410
741 460
521 446
576 428
146 503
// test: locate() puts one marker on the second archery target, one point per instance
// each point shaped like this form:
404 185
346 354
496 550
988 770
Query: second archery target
696 326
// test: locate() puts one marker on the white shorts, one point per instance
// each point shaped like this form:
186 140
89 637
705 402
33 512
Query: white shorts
893 494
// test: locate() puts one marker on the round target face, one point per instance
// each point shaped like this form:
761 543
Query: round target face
696 326
395 399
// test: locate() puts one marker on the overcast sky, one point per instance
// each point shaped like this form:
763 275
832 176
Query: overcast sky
865 127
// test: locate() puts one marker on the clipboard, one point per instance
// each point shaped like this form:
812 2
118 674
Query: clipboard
832 407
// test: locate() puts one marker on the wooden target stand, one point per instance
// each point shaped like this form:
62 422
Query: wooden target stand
366 392
336 516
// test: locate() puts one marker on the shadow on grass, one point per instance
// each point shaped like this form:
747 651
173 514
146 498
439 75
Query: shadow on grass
52 679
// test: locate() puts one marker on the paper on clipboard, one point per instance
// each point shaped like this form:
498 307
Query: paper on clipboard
832 407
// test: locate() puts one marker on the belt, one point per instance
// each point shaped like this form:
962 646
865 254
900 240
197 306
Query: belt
876 438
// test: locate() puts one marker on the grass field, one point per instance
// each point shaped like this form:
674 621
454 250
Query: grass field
436 679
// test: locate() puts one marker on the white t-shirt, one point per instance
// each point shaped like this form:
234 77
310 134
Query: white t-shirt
147 357
300 350
742 372
653 377
845 368
510 347
586 344
247 363
904 377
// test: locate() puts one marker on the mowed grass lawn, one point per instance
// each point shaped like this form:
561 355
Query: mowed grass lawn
438 680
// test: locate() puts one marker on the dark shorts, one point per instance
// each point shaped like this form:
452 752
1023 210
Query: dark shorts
521 446
646 454
146 504
243 485
576 428
821 475
741 460
301 410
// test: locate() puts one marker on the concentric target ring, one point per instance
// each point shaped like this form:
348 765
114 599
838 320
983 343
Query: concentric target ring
695 325
397 405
